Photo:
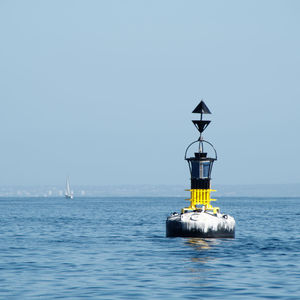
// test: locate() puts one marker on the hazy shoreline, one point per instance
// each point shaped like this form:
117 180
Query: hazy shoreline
258 190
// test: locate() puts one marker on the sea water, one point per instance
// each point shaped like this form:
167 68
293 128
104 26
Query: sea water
115 248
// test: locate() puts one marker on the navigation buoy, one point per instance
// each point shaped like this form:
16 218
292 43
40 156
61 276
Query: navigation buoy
200 219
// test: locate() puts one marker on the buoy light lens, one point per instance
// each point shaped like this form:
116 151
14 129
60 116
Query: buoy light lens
200 169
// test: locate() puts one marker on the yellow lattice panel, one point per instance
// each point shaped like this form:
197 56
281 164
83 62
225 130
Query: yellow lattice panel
201 197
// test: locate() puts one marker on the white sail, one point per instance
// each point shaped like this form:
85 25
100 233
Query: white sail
68 193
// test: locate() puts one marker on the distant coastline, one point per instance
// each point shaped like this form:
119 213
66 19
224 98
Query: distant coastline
251 190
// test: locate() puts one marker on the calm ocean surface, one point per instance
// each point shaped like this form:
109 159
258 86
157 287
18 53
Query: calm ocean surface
115 248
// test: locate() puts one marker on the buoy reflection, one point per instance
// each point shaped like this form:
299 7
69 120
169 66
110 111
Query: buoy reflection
202 244
201 255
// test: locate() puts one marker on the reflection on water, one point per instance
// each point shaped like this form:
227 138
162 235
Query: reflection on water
202 244
201 255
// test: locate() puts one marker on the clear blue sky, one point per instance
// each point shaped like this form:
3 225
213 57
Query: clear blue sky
103 90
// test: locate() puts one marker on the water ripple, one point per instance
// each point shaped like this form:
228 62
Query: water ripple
96 248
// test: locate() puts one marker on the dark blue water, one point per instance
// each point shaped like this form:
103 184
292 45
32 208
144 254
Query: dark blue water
115 248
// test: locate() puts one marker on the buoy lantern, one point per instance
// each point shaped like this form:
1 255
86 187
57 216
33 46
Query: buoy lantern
200 219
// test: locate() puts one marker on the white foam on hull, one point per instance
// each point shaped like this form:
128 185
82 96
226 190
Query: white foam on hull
201 224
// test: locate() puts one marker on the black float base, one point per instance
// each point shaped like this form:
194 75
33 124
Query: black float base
201 225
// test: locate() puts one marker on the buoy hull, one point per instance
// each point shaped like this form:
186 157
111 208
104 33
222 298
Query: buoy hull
200 224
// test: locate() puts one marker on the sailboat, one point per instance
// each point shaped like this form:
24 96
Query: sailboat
68 193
